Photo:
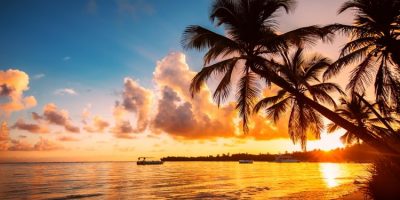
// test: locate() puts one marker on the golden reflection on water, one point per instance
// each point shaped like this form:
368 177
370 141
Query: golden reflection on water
330 172
179 180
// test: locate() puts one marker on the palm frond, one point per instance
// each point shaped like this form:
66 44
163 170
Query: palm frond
357 43
206 72
276 110
248 90
361 75
197 37
315 66
332 127
265 102
315 123
223 89
344 61
348 30
304 36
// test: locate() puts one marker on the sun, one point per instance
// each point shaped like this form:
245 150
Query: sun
327 142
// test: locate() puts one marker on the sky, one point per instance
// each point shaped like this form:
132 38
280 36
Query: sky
97 80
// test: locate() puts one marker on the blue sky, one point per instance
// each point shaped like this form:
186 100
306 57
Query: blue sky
93 44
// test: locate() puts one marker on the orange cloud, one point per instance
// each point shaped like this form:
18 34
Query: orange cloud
184 117
52 115
4 136
20 145
13 83
46 145
67 139
178 118
33 128
98 125
262 128
136 100
42 145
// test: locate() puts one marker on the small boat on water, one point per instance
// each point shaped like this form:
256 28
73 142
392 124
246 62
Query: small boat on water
143 161
285 159
246 161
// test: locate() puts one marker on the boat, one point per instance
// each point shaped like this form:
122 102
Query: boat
246 161
143 161
285 159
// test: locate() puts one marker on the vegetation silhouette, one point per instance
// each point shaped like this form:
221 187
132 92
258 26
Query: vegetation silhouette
251 27
361 113
359 153
304 75
375 44
252 39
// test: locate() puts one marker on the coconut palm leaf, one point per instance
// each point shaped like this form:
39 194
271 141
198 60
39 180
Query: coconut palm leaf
205 73
248 90
375 39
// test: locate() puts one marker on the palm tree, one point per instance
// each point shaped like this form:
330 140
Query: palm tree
362 114
302 74
374 48
251 32
250 36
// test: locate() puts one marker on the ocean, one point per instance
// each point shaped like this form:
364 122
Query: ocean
179 180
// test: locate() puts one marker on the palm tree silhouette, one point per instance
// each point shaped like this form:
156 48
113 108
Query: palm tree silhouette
300 73
362 114
374 48
251 32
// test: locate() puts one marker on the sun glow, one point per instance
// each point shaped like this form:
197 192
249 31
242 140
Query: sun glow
327 142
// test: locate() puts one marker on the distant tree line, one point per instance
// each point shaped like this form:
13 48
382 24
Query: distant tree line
356 153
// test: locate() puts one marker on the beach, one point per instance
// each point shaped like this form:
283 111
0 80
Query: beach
357 195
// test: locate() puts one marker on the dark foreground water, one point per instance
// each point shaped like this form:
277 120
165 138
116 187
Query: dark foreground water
179 180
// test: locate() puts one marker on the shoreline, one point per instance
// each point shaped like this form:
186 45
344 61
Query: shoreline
356 195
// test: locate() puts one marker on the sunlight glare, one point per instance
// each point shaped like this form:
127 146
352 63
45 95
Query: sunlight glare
327 142
330 171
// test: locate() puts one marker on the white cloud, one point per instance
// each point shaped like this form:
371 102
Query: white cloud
38 76
65 91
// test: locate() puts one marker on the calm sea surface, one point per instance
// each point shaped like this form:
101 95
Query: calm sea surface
179 180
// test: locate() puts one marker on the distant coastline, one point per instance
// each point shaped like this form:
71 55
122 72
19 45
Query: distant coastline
359 153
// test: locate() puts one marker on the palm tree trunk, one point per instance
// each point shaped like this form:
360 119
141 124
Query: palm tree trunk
394 49
384 122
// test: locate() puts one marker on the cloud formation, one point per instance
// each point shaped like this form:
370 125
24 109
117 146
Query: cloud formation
135 100
181 116
52 115
4 136
42 145
184 117
65 91
13 83
98 125
38 76
33 128
46 145
67 139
